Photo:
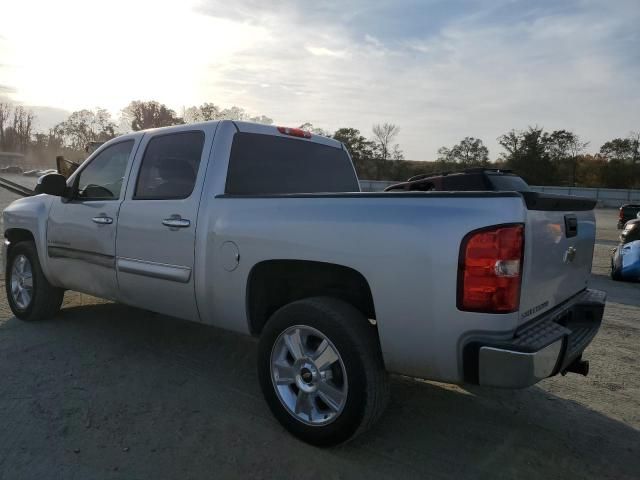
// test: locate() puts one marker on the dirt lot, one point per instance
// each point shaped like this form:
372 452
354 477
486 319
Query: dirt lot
107 391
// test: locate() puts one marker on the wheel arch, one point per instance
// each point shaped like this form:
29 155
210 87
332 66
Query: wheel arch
15 235
272 284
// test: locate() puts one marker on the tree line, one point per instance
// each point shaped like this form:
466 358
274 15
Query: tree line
71 136
540 157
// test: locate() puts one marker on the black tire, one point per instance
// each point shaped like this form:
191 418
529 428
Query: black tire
46 299
615 275
356 341
615 272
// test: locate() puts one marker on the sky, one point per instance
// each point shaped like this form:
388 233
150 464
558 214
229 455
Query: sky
440 70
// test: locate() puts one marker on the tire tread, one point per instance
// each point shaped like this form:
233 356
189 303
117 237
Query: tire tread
359 336
47 299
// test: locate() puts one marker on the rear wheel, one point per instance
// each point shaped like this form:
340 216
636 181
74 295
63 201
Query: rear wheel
321 370
30 295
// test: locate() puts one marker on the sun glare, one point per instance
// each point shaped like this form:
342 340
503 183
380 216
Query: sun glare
79 54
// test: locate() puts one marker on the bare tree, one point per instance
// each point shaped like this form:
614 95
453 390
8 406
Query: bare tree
17 135
22 125
383 137
576 147
5 111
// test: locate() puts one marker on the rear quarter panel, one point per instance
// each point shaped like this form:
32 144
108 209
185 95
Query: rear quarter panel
405 245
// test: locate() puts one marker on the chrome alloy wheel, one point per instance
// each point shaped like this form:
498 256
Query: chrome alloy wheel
308 375
22 282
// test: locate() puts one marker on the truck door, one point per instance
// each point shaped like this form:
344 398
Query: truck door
157 223
81 232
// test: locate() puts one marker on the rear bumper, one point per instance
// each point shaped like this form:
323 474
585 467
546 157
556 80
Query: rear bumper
542 348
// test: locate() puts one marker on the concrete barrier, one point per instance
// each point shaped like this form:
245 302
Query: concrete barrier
606 197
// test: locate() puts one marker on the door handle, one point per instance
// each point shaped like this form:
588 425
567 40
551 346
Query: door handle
103 220
176 221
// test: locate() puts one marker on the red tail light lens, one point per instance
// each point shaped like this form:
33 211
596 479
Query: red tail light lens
621 214
490 270
294 132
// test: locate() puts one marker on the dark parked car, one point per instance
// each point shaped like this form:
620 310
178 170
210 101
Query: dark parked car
627 212
471 179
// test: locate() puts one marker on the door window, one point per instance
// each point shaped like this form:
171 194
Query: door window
170 166
102 178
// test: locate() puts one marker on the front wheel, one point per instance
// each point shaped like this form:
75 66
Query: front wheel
30 295
321 370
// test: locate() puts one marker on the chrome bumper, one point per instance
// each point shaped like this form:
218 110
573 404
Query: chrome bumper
540 349
507 368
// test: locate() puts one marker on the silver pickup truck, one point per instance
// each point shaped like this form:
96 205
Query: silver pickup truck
262 230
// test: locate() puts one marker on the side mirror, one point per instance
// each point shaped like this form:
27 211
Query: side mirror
52 184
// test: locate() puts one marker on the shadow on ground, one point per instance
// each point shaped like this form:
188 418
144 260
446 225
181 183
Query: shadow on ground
109 391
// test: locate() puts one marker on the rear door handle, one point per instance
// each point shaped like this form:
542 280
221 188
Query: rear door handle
176 221
102 220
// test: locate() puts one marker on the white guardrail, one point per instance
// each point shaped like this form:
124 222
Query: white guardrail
606 197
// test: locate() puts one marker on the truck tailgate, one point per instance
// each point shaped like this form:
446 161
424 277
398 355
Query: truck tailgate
559 241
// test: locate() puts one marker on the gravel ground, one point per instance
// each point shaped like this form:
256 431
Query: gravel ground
104 391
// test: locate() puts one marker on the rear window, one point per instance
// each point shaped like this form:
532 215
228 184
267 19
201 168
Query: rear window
267 164
508 183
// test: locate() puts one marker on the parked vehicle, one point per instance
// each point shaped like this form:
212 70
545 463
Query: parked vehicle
470 179
628 211
11 169
625 258
262 230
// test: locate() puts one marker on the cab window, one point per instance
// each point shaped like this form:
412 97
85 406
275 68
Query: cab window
170 166
102 179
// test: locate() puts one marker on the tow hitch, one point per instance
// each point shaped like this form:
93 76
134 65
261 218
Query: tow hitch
579 366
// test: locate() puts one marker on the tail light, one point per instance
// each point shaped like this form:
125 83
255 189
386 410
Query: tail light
621 214
294 132
490 269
